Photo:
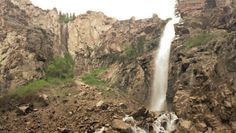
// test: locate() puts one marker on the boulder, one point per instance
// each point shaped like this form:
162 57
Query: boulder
123 106
201 127
44 96
64 130
120 125
102 105
141 112
24 109
185 125
233 125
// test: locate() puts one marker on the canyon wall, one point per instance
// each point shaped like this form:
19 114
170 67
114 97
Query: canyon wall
202 75
24 48
188 6
36 36
127 47
45 19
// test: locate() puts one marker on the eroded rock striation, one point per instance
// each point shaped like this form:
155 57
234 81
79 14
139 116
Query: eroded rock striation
24 48
202 80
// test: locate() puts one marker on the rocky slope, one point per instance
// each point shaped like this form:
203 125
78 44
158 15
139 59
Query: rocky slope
203 71
70 108
24 48
127 47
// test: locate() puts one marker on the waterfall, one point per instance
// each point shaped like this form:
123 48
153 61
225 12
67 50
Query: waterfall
160 82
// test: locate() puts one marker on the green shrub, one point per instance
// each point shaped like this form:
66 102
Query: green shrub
140 45
132 51
61 67
58 72
92 78
65 18
198 39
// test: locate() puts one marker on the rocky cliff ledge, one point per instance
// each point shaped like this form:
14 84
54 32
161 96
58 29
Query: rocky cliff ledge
202 76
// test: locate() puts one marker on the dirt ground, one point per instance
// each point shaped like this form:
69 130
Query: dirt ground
71 108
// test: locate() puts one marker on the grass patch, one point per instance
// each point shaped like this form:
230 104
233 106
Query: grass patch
198 39
30 88
92 78
60 71
37 85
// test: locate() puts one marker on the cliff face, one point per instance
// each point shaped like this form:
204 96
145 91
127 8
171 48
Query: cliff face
127 47
24 48
86 30
45 19
186 7
202 76
35 36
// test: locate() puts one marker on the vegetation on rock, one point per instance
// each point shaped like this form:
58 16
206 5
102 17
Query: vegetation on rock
59 71
65 18
92 78
198 39
132 51
61 67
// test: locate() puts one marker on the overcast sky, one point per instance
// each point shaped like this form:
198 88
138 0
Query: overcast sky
120 9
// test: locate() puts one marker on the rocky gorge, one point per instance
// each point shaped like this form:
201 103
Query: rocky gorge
120 55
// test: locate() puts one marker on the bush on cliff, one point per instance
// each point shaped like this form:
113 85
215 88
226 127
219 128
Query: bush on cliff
132 51
59 71
198 39
61 68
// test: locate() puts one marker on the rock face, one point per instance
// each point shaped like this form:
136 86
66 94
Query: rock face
187 6
127 47
30 37
202 81
45 19
85 32
24 48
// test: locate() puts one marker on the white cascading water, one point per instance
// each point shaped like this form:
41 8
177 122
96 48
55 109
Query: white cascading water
160 82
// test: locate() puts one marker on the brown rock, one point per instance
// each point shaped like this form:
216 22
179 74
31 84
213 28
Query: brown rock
233 125
102 105
44 96
141 112
123 106
63 130
120 125
24 109
185 125
201 127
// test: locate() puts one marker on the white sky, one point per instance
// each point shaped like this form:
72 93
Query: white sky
120 9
